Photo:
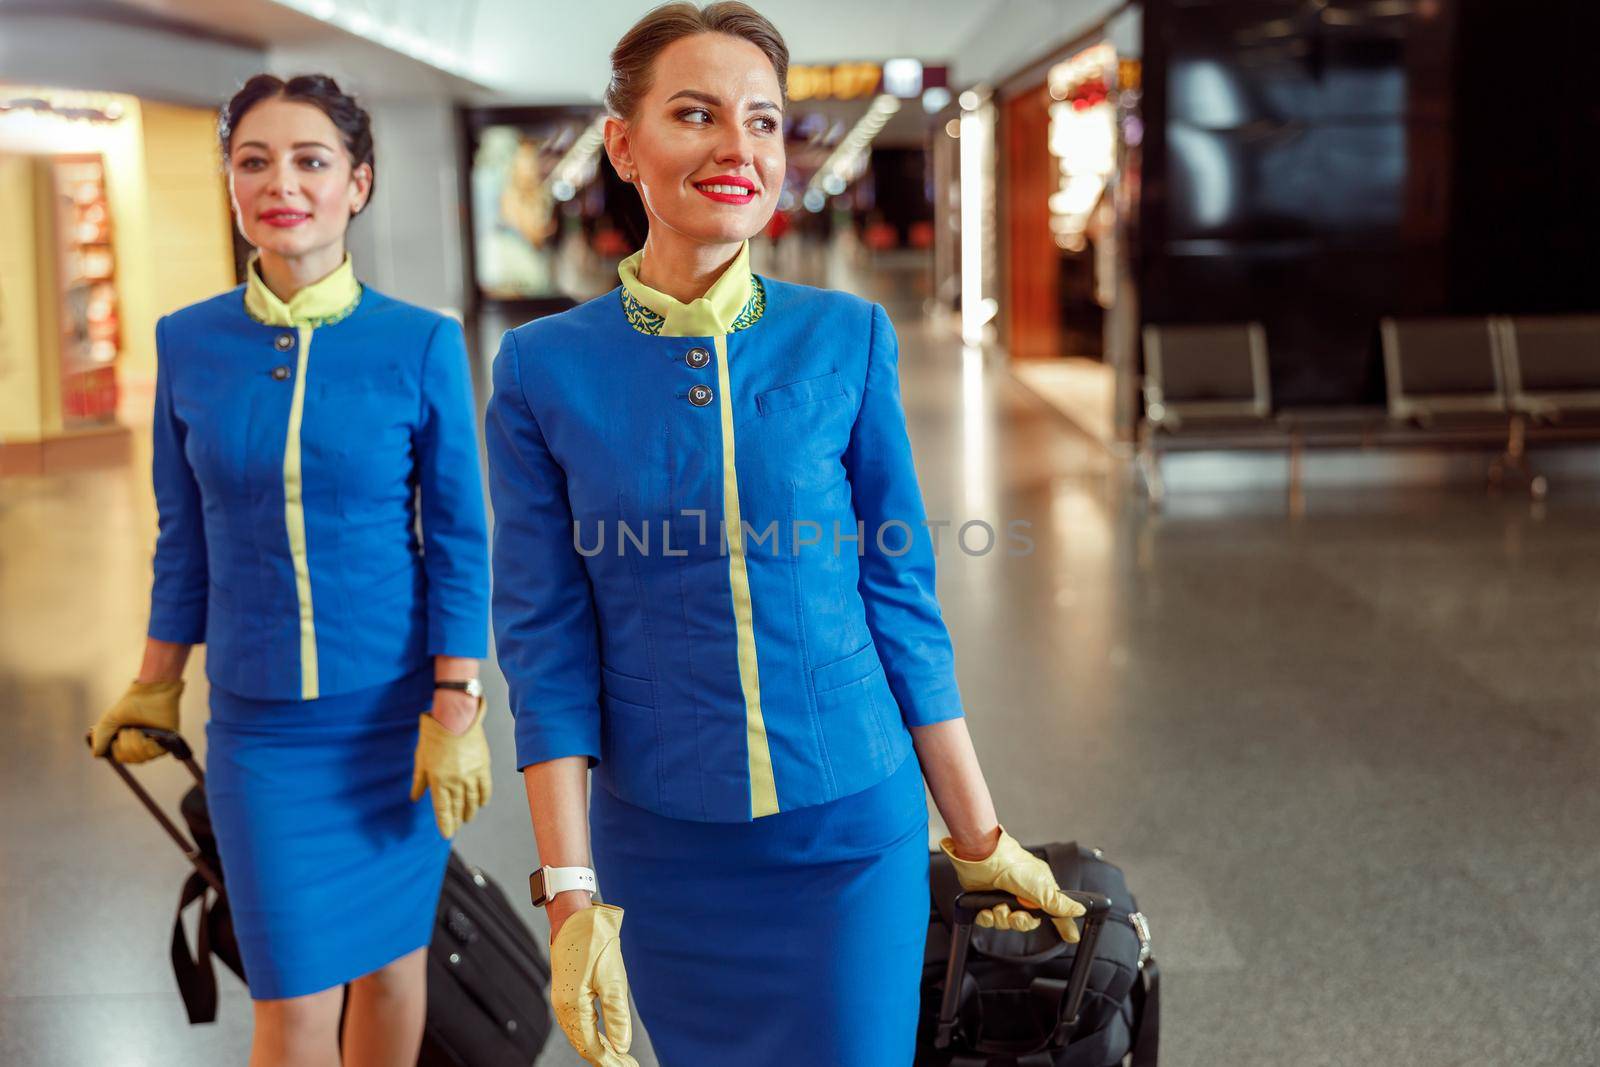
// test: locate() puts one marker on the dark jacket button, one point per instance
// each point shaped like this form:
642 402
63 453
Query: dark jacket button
280 373
697 357
700 396
284 342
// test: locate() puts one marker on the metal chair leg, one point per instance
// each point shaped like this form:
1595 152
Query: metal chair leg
1149 462
1297 496
1514 461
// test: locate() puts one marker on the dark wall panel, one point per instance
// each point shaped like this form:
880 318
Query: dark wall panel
1526 219
1319 165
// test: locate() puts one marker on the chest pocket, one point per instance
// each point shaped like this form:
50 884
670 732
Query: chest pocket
793 444
796 394
381 391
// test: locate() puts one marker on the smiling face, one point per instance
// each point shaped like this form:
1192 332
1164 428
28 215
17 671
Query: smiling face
705 144
293 184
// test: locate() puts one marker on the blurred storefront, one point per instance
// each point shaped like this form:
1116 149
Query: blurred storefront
1070 132
546 217
114 212
1037 235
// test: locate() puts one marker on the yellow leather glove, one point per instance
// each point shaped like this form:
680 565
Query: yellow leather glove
454 768
1012 869
144 704
586 963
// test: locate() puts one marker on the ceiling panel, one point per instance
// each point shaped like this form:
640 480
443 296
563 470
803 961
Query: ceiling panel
539 51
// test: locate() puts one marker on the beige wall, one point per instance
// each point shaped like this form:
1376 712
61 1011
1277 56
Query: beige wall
121 145
169 218
20 414
188 253
191 247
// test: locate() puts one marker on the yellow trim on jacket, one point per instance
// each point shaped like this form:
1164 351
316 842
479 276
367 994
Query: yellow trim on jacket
321 303
724 308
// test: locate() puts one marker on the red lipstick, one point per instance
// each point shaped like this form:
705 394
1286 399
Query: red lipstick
283 217
733 189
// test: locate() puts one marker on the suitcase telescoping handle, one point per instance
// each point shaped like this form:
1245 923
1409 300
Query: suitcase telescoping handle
968 905
179 749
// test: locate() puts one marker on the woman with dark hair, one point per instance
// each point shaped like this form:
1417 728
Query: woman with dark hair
301 420
761 705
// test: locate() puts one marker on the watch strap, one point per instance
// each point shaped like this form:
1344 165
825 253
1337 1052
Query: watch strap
558 880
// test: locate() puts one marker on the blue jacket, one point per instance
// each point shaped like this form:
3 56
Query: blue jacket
725 676
288 460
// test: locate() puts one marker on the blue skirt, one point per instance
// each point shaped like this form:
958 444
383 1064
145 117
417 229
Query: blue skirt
793 939
332 871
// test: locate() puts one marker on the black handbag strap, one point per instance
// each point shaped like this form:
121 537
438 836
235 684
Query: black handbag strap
197 978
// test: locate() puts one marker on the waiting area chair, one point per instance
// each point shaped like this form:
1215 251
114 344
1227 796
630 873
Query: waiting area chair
1443 372
1552 366
1209 383
1471 381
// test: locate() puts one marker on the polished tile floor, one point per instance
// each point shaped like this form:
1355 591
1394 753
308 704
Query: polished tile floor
1350 760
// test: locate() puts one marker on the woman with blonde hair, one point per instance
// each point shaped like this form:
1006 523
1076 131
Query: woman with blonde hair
714 585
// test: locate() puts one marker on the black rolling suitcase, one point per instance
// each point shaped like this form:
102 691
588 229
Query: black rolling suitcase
998 998
488 977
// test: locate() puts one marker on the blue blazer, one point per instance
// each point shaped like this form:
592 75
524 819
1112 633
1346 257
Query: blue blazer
727 676
317 584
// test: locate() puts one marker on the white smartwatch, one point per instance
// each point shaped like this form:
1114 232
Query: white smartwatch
546 882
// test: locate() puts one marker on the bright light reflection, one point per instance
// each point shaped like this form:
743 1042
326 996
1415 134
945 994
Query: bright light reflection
973 144
976 470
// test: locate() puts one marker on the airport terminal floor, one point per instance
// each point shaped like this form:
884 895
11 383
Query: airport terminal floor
1348 759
